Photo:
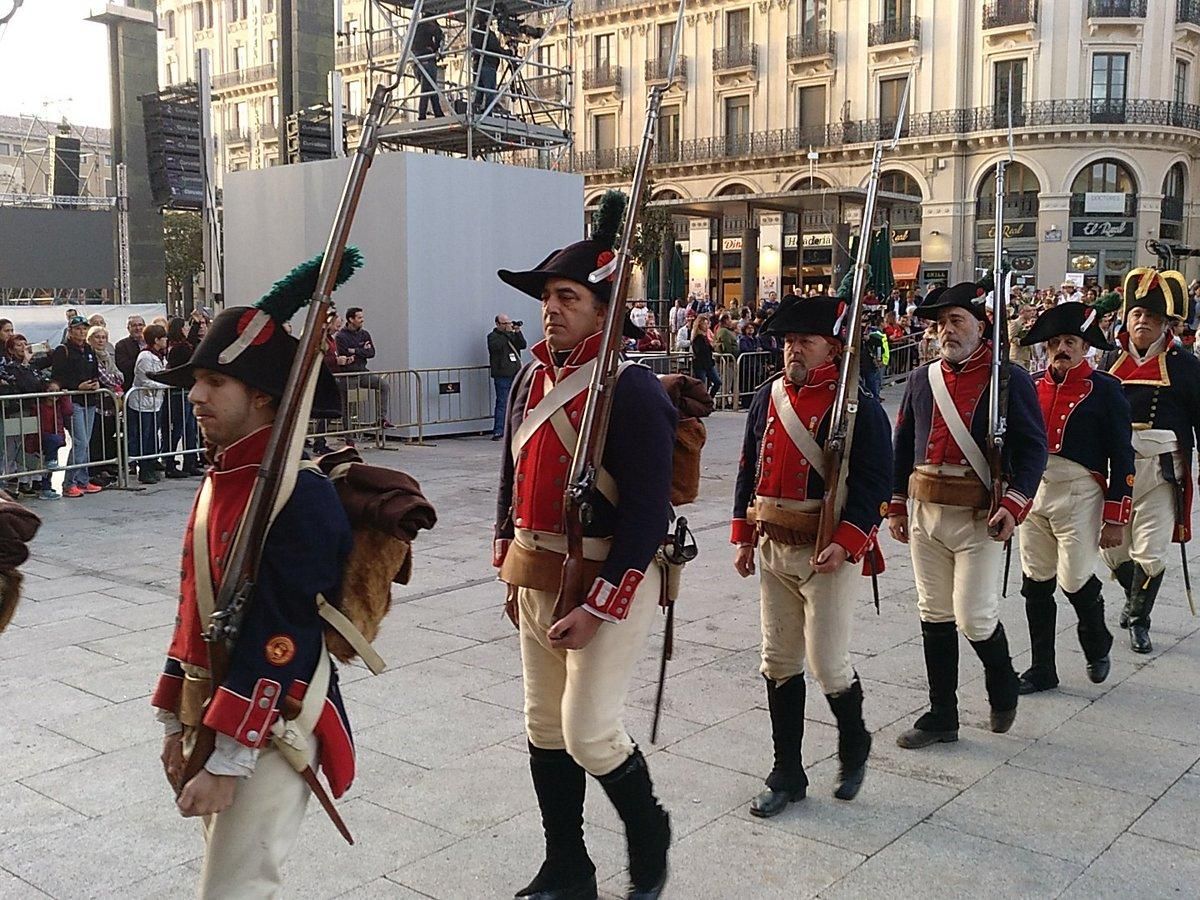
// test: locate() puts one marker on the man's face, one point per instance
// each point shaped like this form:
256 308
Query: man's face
226 409
1068 290
1065 351
504 323
1145 327
771 295
959 333
355 321
6 331
78 334
570 313
72 313
136 327
802 353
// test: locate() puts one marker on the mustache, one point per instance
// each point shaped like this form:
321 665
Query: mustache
1062 356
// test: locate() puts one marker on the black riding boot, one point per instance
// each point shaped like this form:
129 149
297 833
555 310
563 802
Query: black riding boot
1094 636
1042 615
854 741
1141 602
787 781
568 872
647 825
940 724
1000 679
1124 575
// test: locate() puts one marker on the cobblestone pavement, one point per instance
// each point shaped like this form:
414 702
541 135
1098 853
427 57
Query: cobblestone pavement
1093 793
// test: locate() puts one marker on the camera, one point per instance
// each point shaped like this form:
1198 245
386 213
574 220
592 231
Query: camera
517 323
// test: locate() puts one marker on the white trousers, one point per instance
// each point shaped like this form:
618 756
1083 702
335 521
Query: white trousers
245 846
805 616
1147 537
574 699
1060 538
956 567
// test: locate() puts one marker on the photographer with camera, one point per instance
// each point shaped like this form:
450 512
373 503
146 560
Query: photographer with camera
505 343
427 50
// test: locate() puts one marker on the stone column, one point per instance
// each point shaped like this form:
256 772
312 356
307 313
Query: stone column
699 242
1149 220
1054 219
770 255
749 262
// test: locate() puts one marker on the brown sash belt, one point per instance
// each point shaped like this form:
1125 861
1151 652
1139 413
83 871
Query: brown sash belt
192 697
785 526
540 570
949 490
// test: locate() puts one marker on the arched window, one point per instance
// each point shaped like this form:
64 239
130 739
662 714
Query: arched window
733 190
808 183
1021 189
901 183
1174 187
1104 176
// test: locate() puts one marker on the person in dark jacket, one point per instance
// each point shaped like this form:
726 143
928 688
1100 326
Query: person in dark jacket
427 45
74 366
704 365
128 348
355 342
505 343
180 422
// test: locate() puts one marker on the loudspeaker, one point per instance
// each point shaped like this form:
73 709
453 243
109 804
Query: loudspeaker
64 165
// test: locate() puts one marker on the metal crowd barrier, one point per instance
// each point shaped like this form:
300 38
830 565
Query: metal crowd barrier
31 455
753 368
159 426
905 356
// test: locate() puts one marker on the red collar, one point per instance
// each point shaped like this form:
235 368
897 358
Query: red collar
822 375
981 358
1075 375
585 351
247 451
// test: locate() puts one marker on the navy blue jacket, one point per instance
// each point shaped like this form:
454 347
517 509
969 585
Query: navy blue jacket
1176 409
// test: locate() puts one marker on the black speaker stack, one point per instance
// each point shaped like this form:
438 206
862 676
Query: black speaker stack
172 118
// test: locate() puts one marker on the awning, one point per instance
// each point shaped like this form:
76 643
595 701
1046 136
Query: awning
905 268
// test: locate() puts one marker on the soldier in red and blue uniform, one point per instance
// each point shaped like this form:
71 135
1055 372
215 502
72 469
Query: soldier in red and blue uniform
956 541
1086 494
807 594
1162 384
577 670
252 799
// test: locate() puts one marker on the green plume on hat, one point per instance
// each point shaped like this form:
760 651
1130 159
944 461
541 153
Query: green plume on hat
292 292
606 220
1107 302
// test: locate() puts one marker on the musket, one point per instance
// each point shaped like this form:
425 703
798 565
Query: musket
998 383
236 590
845 402
593 426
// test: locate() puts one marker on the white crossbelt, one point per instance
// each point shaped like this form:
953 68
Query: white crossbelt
958 428
796 430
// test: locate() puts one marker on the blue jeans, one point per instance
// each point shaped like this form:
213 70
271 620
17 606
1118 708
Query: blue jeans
51 444
503 387
710 377
83 417
143 436
874 382
182 423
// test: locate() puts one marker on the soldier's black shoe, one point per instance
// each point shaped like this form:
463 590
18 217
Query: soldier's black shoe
1000 679
647 825
933 727
854 741
568 872
1139 638
787 782
1034 680
1097 670
1123 618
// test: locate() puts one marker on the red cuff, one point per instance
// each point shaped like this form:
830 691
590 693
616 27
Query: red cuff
741 531
897 506
1117 512
1017 504
166 692
247 720
499 551
611 602
852 539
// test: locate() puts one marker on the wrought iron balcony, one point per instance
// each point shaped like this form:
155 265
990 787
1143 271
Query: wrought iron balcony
1003 13
238 77
1172 209
1187 11
602 77
1079 204
267 131
656 69
810 44
236 135
735 56
893 31
545 87
1116 9
1022 205
899 216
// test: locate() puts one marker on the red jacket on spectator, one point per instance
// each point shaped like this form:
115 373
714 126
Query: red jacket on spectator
53 414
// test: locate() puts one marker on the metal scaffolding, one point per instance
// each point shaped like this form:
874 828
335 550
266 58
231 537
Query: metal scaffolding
483 76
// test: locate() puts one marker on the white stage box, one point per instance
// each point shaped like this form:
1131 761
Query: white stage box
433 231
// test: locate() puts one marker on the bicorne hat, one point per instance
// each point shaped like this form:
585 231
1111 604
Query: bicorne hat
1069 317
813 315
1163 292
582 261
965 295
250 344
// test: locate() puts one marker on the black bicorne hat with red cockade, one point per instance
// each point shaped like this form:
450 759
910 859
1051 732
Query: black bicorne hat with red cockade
249 343
582 261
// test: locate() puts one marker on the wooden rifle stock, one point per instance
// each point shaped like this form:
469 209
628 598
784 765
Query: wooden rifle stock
291 420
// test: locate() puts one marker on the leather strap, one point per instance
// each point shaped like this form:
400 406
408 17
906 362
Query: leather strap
559 396
343 626
290 738
958 428
796 430
205 598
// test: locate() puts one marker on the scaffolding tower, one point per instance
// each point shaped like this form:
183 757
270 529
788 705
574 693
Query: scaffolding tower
483 77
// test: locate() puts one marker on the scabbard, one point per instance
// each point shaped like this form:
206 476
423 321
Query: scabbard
318 789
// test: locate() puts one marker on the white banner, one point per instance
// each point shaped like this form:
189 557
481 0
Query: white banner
46 323
1110 203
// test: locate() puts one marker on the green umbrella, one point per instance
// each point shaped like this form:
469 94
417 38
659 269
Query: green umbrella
677 282
652 280
880 257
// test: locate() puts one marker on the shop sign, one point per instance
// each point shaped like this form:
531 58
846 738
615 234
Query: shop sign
987 231
906 235
816 239
1022 262
1104 202
931 276
1106 229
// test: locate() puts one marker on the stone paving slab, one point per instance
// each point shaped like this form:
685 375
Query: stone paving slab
1092 794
